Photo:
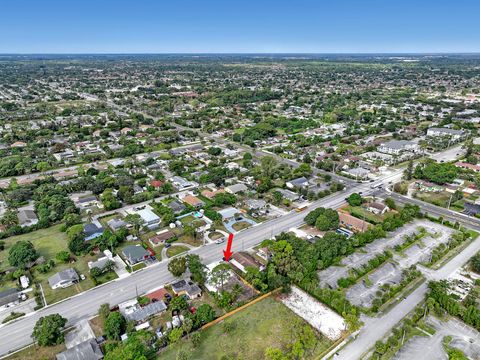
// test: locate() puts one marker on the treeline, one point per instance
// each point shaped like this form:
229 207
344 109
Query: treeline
333 246
439 173
441 300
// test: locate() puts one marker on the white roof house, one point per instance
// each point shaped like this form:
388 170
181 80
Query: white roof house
454 134
149 217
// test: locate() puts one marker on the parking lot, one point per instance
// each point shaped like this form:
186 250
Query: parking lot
464 338
362 294
414 254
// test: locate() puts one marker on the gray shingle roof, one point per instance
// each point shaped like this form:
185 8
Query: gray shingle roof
65 275
87 350
145 312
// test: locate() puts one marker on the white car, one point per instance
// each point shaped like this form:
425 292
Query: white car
220 241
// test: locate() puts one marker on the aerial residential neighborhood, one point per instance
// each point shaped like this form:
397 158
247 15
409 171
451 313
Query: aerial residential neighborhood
219 181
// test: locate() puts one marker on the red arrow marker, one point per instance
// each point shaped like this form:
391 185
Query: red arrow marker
227 253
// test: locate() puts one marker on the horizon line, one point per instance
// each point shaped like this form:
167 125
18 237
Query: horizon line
246 53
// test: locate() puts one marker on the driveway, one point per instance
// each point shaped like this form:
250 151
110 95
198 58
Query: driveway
120 267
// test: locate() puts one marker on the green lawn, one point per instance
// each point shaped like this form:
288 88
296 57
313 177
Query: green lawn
364 214
48 242
80 266
241 225
176 249
192 221
215 235
440 199
265 324
37 352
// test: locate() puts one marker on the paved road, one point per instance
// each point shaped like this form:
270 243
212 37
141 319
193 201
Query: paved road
376 328
86 304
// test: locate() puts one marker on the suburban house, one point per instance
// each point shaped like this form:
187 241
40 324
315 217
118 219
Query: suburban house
63 279
428 186
352 223
8 298
358 173
256 205
236 188
242 260
87 201
116 224
440 132
396 147
87 350
377 208
27 217
211 194
289 195
157 295
467 166
64 156
182 184
300 182
140 314
176 206
161 237
92 231
182 287
135 254
193 201
264 253
101 262
229 213
150 219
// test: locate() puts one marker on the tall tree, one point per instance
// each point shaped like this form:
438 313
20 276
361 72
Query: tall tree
21 254
48 330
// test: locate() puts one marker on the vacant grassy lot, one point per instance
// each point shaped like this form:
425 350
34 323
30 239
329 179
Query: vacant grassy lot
175 250
241 225
265 324
440 199
37 352
48 242
364 214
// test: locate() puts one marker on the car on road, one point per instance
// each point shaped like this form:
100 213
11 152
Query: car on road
220 241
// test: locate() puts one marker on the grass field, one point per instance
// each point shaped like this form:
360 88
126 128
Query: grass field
265 324
175 250
241 225
364 214
48 242
440 199
52 296
37 352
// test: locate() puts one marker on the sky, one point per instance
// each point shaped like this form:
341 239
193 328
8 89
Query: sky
246 26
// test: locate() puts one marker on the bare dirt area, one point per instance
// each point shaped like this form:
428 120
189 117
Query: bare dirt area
326 321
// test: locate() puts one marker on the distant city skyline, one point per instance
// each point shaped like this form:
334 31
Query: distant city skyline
148 26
